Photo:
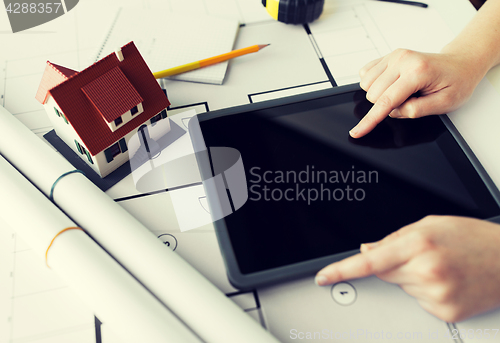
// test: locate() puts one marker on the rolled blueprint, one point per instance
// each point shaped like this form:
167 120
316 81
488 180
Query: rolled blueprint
118 299
196 301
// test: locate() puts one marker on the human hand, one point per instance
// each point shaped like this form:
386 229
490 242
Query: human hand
451 265
443 81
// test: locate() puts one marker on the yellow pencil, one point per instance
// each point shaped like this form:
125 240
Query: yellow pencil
208 61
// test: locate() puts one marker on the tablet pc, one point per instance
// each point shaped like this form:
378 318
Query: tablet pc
314 194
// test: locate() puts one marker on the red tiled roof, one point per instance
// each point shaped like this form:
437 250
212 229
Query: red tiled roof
65 71
85 118
52 76
112 94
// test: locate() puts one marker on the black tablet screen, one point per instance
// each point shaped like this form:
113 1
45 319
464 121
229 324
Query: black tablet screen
314 191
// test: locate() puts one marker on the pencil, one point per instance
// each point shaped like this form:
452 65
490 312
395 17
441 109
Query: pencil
208 61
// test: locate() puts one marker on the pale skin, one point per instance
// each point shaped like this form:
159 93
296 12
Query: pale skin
451 265
444 81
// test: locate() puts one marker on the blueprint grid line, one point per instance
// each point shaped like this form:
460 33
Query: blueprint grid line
378 29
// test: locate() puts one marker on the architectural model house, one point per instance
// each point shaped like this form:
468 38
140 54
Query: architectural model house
97 111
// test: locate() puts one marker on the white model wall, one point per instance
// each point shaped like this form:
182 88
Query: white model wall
68 134
107 168
156 131
66 131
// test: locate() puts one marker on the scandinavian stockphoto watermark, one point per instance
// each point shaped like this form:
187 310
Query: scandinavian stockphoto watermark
388 335
309 184
24 14
227 183
157 165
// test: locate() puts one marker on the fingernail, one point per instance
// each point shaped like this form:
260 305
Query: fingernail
353 132
320 280
395 113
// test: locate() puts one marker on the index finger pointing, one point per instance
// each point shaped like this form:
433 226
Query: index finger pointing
376 261
392 98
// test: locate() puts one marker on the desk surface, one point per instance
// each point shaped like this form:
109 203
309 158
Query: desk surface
349 34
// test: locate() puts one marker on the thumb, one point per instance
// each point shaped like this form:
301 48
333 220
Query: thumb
416 107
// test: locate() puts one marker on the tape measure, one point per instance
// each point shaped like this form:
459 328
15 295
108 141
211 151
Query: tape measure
294 11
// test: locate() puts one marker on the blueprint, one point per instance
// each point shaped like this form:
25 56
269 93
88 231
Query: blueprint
36 306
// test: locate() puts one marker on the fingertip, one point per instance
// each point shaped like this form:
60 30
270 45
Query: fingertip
362 79
358 132
362 84
368 122
364 70
321 280
370 98
368 246
395 113
354 132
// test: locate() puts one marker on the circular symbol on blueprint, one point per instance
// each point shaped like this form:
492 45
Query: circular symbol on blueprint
343 293
168 240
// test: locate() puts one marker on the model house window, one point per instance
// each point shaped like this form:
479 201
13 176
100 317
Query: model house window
134 110
83 151
79 147
89 157
123 145
64 117
60 114
115 149
111 152
159 116
156 118
118 121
